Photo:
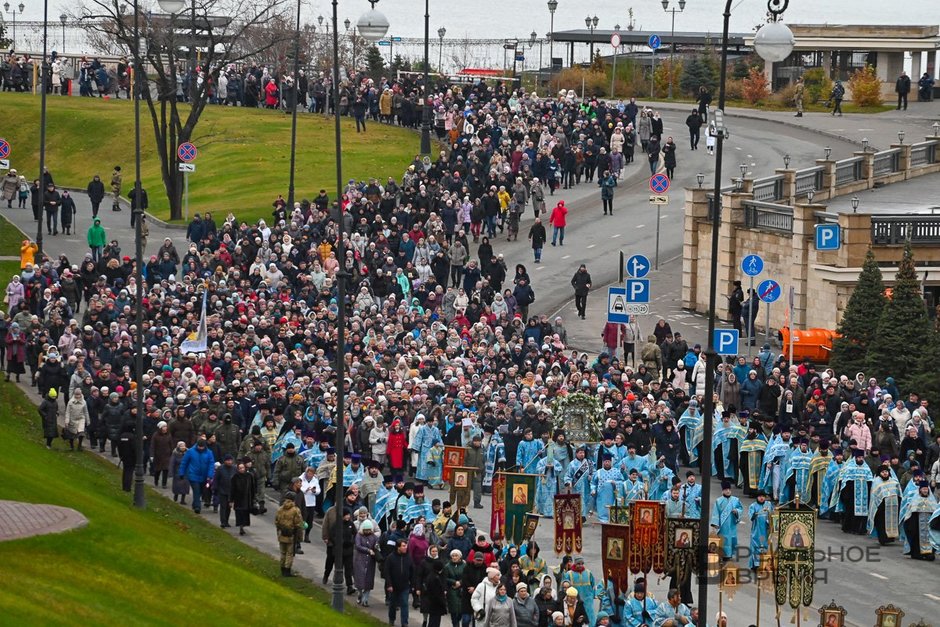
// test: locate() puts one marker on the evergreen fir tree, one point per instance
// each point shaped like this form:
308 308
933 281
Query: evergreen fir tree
698 71
926 379
902 330
860 320
375 62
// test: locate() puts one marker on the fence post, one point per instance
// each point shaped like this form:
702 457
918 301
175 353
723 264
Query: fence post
828 190
788 193
904 159
868 167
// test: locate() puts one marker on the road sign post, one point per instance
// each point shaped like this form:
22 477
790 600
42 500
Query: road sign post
617 305
726 341
638 290
751 265
768 291
828 237
186 152
654 43
5 149
659 185
615 44
638 266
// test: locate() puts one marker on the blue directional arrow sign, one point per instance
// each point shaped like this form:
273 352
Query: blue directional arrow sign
768 291
617 305
654 42
828 237
638 266
752 265
726 341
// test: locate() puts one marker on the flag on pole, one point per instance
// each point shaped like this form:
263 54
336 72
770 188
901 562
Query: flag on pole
196 342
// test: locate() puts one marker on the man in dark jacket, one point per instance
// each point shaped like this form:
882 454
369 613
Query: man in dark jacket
95 194
581 282
538 236
524 296
50 202
223 488
113 417
67 212
902 87
398 572
127 452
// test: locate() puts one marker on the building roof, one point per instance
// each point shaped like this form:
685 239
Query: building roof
862 37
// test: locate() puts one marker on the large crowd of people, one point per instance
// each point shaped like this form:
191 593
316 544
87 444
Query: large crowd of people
444 348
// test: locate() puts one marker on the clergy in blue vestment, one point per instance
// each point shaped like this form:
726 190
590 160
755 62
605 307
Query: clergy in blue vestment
826 502
725 516
751 458
605 488
796 473
851 491
560 451
724 446
495 454
675 506
578 479
547 468
353 472
428 436
608 447
528 452
759 514
692 495
775 457
690 429
916 513
817 474
583 581
660 480
640 607
672 613
884 509
633 488
632 460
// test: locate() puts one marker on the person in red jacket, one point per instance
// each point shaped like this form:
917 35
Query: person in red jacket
559 220
270 95
611 335
396 448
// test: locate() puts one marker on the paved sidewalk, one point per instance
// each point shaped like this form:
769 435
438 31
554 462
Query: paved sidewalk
24 520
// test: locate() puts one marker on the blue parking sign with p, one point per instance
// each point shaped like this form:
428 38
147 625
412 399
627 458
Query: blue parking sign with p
726 341
638 290
828 237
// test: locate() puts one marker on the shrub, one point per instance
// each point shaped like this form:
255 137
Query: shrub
664 71
784 97
866 87
755 87
595 83
817 83
734 89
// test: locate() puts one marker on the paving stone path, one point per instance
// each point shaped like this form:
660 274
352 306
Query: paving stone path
23 520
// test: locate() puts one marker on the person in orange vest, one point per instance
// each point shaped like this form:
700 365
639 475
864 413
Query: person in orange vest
28 253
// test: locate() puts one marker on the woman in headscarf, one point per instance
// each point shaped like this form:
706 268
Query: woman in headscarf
75 419
15 293
180 484
161 444
364 558
16 351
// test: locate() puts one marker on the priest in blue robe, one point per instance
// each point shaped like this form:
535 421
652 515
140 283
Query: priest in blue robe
725 516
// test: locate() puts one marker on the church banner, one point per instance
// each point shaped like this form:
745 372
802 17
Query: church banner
794 555
498 517
681 547
615 554
531 524
518 501
647 531
568 523
453 456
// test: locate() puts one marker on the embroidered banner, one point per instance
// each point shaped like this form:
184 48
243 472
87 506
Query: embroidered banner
498 517
453 456
794 556
615 554
531 524
567 523
681 547
518 501
647 532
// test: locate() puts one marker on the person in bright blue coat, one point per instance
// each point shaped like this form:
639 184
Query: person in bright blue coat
640 608
427 437
548 469
750 391
759 513
578 479
605 488
660 480
198 467
633 461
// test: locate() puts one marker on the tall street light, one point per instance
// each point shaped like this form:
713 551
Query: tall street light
63 18
777 46
552 6
591 23
372 26
672 38
43 80
425 90
21 7
440 53
293 115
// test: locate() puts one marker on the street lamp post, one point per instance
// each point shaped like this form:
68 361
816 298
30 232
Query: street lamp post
293 115
777 48
21 7
591 23
62 19
425 91
672 37
42 126
440 53
552 7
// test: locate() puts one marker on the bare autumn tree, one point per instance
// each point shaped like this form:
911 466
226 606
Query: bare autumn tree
222 28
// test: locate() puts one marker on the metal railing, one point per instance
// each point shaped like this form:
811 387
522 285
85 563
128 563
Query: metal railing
826 217
809 179
886 162
923 153
848 170
768 188
918 230
767 216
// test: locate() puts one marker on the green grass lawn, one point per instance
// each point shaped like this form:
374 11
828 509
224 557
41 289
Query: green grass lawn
244 154
162 565
10 238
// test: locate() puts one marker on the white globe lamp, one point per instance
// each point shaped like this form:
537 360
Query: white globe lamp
774 42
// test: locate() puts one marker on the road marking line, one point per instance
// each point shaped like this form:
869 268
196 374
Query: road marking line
866 129
932 596
615 236
640 226
591 245
664 216
750 156
883 577
737 148
541 267
566 256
